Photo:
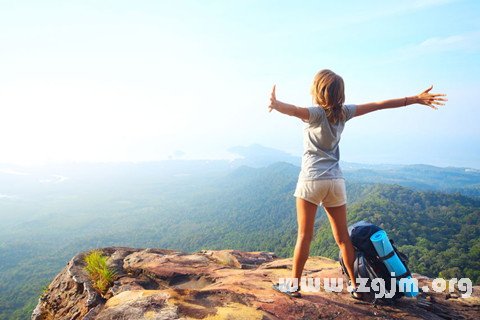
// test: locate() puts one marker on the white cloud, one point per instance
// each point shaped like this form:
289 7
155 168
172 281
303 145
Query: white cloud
461 43
11 171
397 8
430 3
467 42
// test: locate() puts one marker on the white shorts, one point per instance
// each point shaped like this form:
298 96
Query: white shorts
326 192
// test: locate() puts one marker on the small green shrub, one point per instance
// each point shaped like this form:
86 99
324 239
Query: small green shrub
44 291
102 276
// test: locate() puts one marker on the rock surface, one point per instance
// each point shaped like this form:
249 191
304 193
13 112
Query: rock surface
223 284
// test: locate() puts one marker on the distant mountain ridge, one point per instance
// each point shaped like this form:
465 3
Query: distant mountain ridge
419 176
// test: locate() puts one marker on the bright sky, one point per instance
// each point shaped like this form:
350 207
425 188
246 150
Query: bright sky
144 80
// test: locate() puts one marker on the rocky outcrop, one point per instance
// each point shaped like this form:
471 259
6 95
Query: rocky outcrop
223 284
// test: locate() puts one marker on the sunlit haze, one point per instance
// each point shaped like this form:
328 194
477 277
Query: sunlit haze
153 80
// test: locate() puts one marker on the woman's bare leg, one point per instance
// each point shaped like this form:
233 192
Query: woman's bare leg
305 219
338 221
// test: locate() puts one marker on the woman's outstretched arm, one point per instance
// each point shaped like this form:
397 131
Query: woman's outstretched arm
433 100
288 109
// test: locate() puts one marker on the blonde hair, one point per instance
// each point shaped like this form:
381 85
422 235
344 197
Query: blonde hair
328 91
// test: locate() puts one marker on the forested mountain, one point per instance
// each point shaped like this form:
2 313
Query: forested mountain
191 206
247 208
439 232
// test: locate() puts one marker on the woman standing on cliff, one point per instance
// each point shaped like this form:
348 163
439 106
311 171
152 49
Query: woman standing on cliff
321 181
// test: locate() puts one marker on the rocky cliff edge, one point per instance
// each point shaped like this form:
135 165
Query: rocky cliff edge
223 284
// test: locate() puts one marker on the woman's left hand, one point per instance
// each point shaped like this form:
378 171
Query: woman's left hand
433 100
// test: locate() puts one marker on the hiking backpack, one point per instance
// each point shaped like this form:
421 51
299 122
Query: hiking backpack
368 264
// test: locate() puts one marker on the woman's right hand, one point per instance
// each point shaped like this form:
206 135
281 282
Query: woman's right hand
433 100
273 100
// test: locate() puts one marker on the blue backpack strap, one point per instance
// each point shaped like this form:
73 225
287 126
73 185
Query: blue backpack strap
388 256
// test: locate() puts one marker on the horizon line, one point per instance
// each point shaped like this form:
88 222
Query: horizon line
80 162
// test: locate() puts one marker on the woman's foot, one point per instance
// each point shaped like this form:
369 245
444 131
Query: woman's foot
356 295
353 292
288 291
